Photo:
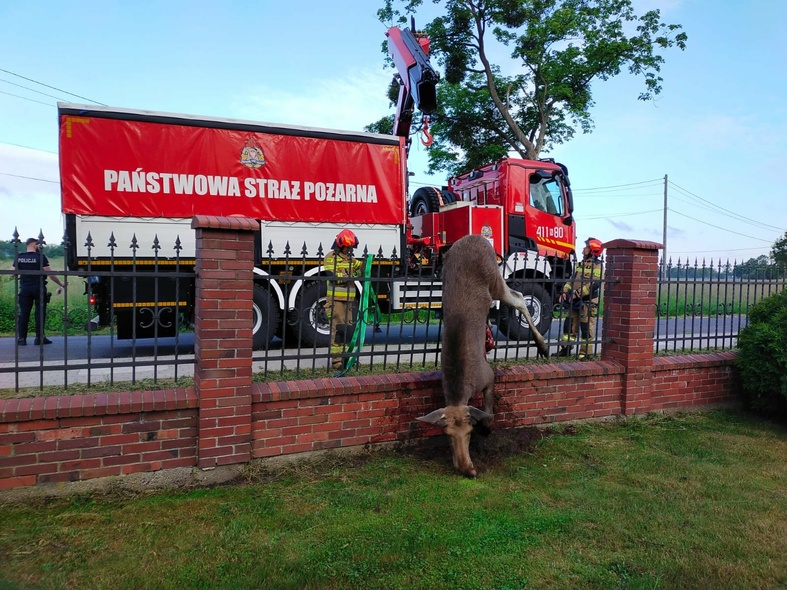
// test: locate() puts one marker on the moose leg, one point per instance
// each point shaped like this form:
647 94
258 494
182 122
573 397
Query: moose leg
516 300
484 425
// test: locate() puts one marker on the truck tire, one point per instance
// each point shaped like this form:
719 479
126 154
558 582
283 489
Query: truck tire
511 322
265 318
425 200
311 328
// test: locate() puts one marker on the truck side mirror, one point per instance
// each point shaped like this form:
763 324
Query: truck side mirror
568 220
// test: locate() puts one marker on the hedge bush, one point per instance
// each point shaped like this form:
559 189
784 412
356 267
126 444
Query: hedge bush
762 355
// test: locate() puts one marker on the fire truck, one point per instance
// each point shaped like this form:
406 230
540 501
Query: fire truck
132 180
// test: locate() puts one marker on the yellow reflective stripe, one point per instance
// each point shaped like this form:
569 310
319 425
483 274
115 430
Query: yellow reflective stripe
150 303
138 262
553 242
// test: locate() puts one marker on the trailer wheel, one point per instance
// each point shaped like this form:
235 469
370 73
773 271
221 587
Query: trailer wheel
265 317
511 322
425 200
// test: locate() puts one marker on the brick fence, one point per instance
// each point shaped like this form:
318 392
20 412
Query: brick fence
225 420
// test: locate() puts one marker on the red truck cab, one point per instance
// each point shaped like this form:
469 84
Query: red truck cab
535 204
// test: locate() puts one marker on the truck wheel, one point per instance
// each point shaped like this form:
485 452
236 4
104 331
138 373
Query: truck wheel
425 200
511 322
312 328
265 317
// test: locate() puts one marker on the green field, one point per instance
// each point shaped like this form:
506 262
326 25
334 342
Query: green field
695 501
712 297
59 317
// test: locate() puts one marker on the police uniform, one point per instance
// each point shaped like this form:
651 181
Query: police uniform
583 294
32 293
339 299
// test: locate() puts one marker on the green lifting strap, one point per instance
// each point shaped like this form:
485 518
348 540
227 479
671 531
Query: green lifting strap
366 307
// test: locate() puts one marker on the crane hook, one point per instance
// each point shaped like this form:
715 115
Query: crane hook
426 137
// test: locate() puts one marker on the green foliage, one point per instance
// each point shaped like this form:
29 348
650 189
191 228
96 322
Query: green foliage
7 325
779 250
559 48
9 249
762 358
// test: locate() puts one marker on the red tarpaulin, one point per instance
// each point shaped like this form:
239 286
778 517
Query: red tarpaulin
120 168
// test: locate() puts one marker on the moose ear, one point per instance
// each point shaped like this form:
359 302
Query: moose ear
477 415
437 417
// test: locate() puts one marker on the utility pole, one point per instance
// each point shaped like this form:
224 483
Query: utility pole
664 233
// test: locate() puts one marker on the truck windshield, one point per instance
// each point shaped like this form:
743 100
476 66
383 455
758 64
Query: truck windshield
546 195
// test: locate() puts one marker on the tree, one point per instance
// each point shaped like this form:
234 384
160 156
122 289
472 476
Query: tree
779 251
558 48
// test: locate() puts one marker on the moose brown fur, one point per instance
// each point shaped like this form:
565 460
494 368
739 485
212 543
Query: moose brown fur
471 283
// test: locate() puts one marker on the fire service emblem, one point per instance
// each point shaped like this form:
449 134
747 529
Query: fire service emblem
252 155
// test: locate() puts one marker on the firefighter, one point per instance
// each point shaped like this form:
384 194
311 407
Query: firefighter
582 295
341 293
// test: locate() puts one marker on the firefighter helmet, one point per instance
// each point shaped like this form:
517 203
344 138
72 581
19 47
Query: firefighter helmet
595 245
346 239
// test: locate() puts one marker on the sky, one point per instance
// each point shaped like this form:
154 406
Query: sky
718 130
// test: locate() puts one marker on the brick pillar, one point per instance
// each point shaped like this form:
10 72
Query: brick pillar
630 317
223 339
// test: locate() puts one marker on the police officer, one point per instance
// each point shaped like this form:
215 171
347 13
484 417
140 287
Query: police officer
341 293
582 295
32 290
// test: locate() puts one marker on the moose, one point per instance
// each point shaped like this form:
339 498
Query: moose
471 283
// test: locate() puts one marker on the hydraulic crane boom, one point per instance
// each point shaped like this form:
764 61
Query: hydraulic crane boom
418 79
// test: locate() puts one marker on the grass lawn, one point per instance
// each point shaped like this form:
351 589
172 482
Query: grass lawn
690 501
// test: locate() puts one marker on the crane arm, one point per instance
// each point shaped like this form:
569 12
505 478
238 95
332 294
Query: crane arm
418 79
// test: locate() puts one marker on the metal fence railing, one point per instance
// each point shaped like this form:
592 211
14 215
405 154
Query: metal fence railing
130 318
703 306
127 315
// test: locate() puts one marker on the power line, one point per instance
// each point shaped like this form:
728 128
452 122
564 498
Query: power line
26 98
724 250
27 147
612 216
626 195
29 177
737 216
30 89
719 227
52 87
617 186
